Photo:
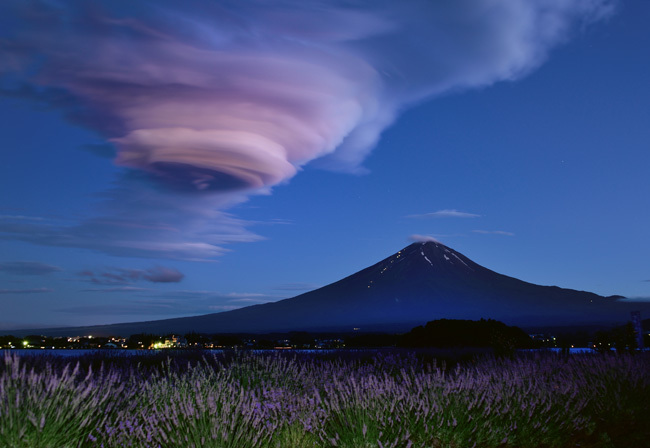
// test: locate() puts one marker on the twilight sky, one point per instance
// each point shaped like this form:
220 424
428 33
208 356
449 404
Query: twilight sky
162 159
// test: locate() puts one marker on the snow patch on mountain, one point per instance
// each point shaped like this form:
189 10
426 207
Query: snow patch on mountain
459 259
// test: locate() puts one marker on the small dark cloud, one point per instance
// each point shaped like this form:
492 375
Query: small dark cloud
28 268
25 291
121 276
160 274
453 213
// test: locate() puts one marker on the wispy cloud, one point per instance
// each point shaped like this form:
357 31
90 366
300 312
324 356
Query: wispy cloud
635 299
225 307
203 302
25 291
138 220
251 298
126 309
423 238
28 268
20 218
296 287
245 294
20 325
126 289
207 103
447 213
494 232
252 301
190 294
198 296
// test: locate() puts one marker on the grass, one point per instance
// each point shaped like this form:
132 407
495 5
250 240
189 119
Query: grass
248 400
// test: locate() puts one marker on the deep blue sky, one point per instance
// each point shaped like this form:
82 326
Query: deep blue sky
517 135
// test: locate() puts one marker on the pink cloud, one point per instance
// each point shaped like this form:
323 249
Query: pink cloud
225 100
241 95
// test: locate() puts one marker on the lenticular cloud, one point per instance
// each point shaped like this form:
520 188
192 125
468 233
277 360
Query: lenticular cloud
226 96
233 95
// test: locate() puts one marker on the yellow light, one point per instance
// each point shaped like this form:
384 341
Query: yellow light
25 343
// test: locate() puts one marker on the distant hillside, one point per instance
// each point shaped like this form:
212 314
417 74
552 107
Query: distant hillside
420 283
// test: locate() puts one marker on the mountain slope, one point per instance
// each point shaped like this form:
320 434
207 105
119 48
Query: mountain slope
420 283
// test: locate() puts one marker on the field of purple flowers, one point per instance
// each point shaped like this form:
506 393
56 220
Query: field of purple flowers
247 400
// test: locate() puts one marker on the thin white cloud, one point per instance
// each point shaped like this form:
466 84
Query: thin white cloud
494 232
224 307
245 294
447 213
251 301
296 287
423 238
197 296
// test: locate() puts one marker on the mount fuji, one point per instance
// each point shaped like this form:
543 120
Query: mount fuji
422 282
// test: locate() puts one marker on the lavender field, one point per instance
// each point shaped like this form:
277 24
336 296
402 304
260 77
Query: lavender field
246 400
